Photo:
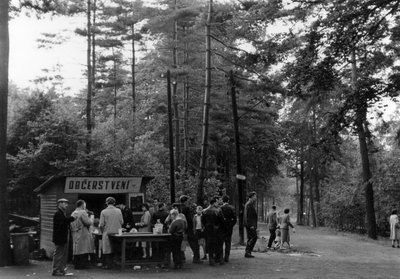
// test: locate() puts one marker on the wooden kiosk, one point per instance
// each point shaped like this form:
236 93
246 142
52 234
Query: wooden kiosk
129 190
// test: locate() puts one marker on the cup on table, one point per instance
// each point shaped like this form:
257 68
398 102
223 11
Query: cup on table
119 231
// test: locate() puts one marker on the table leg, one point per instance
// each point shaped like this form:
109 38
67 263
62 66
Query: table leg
123 253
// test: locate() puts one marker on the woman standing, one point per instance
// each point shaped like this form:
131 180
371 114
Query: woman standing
81 236
285 224
394 228
145 226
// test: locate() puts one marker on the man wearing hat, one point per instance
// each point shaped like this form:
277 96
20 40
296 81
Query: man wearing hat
60 237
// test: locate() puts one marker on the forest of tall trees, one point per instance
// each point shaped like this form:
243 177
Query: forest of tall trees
290 94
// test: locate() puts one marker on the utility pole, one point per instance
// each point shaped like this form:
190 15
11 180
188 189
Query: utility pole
239 172
171 140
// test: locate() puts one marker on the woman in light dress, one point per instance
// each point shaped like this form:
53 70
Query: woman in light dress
394 228
145 226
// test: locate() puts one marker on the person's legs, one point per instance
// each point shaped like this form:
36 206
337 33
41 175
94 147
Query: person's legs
108 261
210 246
147 250
64 258
194 245
272 236
176 243
219 248
58 259
228 242
251 241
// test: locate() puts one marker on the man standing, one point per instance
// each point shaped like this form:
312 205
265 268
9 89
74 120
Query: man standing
250 222
193 242
230 220
177 229
82 241
127 216
161 214
110 221
272 222
214 223
60 237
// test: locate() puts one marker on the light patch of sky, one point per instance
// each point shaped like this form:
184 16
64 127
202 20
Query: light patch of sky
27 60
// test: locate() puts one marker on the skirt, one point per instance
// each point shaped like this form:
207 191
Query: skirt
285 236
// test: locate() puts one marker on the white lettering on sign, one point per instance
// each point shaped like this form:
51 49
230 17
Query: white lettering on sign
102 185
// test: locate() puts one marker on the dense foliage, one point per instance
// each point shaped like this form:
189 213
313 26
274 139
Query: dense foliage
308 77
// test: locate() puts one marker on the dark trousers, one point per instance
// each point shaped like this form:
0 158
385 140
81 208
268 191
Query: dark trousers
176 243
81 261
194 245
227 243
272 236
108 260
214 244
60 257
251 239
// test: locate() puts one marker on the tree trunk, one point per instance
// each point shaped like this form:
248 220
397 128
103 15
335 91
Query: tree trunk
301 192
239 170
186 110
315 167
311 188
177 126
171 141
89 89
206 109
94 59
4 58
115 101
175 95
133 87
297 197
262 206
361 115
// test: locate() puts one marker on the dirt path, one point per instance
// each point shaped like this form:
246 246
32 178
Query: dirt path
316 253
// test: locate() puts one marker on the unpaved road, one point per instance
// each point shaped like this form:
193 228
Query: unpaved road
316 253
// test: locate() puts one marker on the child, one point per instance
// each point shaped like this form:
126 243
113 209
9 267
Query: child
277 241
198 229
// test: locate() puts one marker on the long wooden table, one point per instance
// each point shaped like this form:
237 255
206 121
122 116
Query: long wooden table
123 239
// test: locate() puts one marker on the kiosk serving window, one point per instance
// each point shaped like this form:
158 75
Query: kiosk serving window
135 201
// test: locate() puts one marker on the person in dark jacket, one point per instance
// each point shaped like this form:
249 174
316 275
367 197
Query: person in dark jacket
127 216
230 220
272 221
250 222
61 224
191 238
161 214
177 229
214 224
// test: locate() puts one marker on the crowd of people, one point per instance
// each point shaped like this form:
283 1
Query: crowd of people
207 231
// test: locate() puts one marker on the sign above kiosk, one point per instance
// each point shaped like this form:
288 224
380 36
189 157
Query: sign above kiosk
102 185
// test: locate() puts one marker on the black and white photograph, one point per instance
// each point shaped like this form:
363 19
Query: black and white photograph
200 139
